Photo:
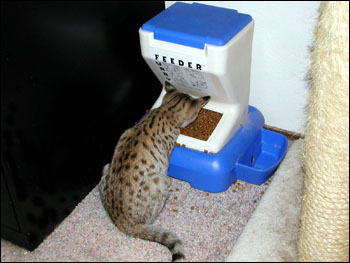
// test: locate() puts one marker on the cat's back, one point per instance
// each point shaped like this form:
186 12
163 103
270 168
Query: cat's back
144 148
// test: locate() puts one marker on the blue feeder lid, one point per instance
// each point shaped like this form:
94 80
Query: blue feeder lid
196 24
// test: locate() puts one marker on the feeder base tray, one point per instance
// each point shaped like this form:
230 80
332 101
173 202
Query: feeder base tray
252 155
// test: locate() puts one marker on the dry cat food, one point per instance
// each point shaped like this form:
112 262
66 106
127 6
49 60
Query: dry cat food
203 126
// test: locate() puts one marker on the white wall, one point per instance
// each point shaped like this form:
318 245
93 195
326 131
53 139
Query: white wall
282 36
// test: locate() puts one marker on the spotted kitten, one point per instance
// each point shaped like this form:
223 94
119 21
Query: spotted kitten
135 186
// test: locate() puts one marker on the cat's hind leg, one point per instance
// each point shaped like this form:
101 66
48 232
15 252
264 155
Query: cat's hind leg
159 194
105 169
102 187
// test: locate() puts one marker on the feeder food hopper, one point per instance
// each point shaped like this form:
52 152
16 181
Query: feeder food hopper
206 50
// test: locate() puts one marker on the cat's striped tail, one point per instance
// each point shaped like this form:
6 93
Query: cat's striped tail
162 236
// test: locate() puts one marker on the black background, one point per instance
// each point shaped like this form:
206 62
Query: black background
72 80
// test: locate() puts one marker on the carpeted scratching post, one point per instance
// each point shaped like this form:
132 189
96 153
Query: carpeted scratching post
324 229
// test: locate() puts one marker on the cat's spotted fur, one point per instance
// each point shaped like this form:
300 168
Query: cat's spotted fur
134 187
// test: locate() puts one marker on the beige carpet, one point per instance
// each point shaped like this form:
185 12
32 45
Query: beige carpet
208 224
271 233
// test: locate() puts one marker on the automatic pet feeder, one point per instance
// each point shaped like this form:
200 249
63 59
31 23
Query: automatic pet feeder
205 50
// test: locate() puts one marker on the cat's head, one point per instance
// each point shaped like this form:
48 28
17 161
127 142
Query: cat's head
185 107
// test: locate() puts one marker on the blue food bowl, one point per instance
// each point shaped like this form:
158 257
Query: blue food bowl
252 155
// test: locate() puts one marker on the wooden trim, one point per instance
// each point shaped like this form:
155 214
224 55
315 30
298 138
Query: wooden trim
290 135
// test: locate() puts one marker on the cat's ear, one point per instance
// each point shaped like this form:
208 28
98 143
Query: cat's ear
168 87
201 102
